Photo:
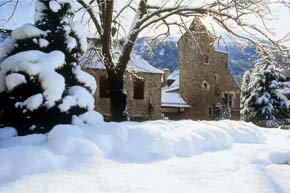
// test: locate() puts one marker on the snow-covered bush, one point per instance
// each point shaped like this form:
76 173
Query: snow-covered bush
41 83
262 102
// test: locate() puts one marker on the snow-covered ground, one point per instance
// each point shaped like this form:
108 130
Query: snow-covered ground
92 156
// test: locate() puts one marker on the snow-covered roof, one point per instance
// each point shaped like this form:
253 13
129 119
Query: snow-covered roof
175 85
174 75
137 64
170 99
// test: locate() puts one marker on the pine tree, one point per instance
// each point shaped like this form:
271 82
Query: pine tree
245 91
41 83
263 104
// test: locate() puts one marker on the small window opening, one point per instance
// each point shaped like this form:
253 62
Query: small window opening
205 85
138 89
206 59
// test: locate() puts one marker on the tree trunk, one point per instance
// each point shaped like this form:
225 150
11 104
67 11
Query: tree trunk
118 98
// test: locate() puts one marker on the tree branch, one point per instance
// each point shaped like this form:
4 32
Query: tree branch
89 9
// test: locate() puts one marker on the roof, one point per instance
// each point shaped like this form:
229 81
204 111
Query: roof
175 85
136 64
174 75
170 99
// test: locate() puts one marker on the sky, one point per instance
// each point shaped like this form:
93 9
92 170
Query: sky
25 11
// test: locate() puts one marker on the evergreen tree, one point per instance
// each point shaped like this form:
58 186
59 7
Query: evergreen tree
41 83
263 104
245 91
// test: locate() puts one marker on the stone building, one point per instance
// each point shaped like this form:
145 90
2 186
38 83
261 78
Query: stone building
203 79
142 84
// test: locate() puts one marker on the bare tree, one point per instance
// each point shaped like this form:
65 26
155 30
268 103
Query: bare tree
15 4
108 20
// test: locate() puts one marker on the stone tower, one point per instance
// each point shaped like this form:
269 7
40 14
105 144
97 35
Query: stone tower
204 76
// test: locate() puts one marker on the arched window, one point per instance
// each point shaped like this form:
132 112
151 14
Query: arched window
138 88
104 87
205 85
206 59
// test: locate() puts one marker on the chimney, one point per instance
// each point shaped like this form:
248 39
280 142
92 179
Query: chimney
165 75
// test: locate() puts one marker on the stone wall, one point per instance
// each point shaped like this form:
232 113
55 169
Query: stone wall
176 113
148 108
204 76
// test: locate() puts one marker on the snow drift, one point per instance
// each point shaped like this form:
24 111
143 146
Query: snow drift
89 139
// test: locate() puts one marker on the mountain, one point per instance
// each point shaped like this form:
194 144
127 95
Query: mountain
161 54
164 54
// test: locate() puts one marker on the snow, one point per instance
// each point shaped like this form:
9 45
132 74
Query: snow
85 78
32 103
14 79
78 96
71 43
153 156
286 88
6 48
77 27
175 85
92 118
64 1
26 31
263 99
54 6
43 43
169 99
7 132
43 65
39 6
33 61
174 75
83 97
38 16
136 64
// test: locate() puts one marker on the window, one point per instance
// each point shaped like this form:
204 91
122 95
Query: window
230 102
206 59
205 85
228 99
216 77
104 87
138 89
209 111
